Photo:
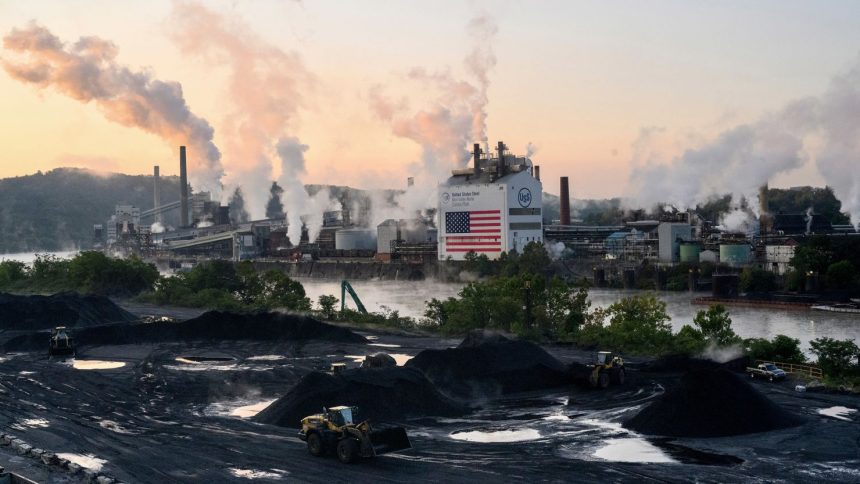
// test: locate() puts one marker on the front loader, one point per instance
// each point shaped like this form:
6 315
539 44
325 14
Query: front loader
335 430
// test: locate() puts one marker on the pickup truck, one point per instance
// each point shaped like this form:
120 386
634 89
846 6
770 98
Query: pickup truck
766 370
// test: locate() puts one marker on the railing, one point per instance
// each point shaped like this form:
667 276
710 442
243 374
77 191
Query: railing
808 370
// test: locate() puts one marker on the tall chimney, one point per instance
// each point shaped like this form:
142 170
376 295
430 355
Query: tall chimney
537 172
564 195
476 157
500 167
183 189
156 191
764 213
410 181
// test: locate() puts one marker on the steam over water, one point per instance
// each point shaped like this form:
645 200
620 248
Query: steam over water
408 297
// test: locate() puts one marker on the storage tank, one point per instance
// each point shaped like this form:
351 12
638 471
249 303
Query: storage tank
355 239
690 252
735 254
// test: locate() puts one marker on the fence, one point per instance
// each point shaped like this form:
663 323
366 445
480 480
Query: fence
808 370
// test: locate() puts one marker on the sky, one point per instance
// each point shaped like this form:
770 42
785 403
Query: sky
580 82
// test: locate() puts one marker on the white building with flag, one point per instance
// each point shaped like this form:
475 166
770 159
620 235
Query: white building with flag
492 207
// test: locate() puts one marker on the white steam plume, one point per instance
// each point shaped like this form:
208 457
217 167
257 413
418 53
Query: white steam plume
87 70
267 88
825 128
447 127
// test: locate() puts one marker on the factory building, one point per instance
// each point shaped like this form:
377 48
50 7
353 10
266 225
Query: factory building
670 235
397 236
125 221
492 207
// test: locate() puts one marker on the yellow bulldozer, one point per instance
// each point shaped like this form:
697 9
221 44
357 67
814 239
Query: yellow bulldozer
607 368
340 430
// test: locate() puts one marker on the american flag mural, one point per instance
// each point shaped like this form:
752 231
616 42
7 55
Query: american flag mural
473 230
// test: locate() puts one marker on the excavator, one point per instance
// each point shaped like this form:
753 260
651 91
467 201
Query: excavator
62 343
340 430
345 287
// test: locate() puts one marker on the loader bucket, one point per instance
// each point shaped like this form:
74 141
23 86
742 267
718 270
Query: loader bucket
390 439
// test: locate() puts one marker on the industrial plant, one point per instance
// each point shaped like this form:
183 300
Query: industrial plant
493 206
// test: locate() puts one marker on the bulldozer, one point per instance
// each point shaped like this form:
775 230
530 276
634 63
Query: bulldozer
62 343
607 368
339 430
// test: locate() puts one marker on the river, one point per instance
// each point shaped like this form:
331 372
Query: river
408 297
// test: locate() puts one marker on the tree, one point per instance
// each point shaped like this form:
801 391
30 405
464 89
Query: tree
689 341
327 304
715 325
835 357
279 291
781 348
275 208
841 275
640 324
534 259
754 279
813 256
12 271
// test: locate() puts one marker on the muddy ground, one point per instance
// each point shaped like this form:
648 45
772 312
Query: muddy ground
157 418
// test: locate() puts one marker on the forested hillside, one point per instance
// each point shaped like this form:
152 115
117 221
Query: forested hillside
56 210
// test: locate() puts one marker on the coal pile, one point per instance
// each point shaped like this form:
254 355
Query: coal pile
213 325
711 403
63 309
486 365
382 394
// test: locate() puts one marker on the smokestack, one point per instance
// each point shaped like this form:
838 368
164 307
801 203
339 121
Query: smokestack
764 213
156 191
564 195
410 181
537 172
183 189
500 167
476 156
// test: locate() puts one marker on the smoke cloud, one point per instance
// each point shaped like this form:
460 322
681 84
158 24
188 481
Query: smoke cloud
824 128
88 71
267 89
454 119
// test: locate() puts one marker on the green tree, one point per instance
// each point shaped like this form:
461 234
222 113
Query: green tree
715 326
815 255
841 275
689 341
279 291
639 324
835 357
327 305
12 272
754 279
781 348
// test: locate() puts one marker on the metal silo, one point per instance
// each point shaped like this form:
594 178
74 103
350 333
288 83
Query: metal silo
690 252
735 254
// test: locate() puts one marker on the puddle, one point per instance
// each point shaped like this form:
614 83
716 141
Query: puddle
632 450
384 345
32 423
203 359
267 358
255 474
238 408
88 461
838 412
24 372
96 365
557 418
399 358
115 427
496 436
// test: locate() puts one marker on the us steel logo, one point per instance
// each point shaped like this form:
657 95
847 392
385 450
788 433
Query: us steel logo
446 197
524 197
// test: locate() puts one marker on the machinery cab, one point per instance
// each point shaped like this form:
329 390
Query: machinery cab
341 416
607 368
62 343
337 368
